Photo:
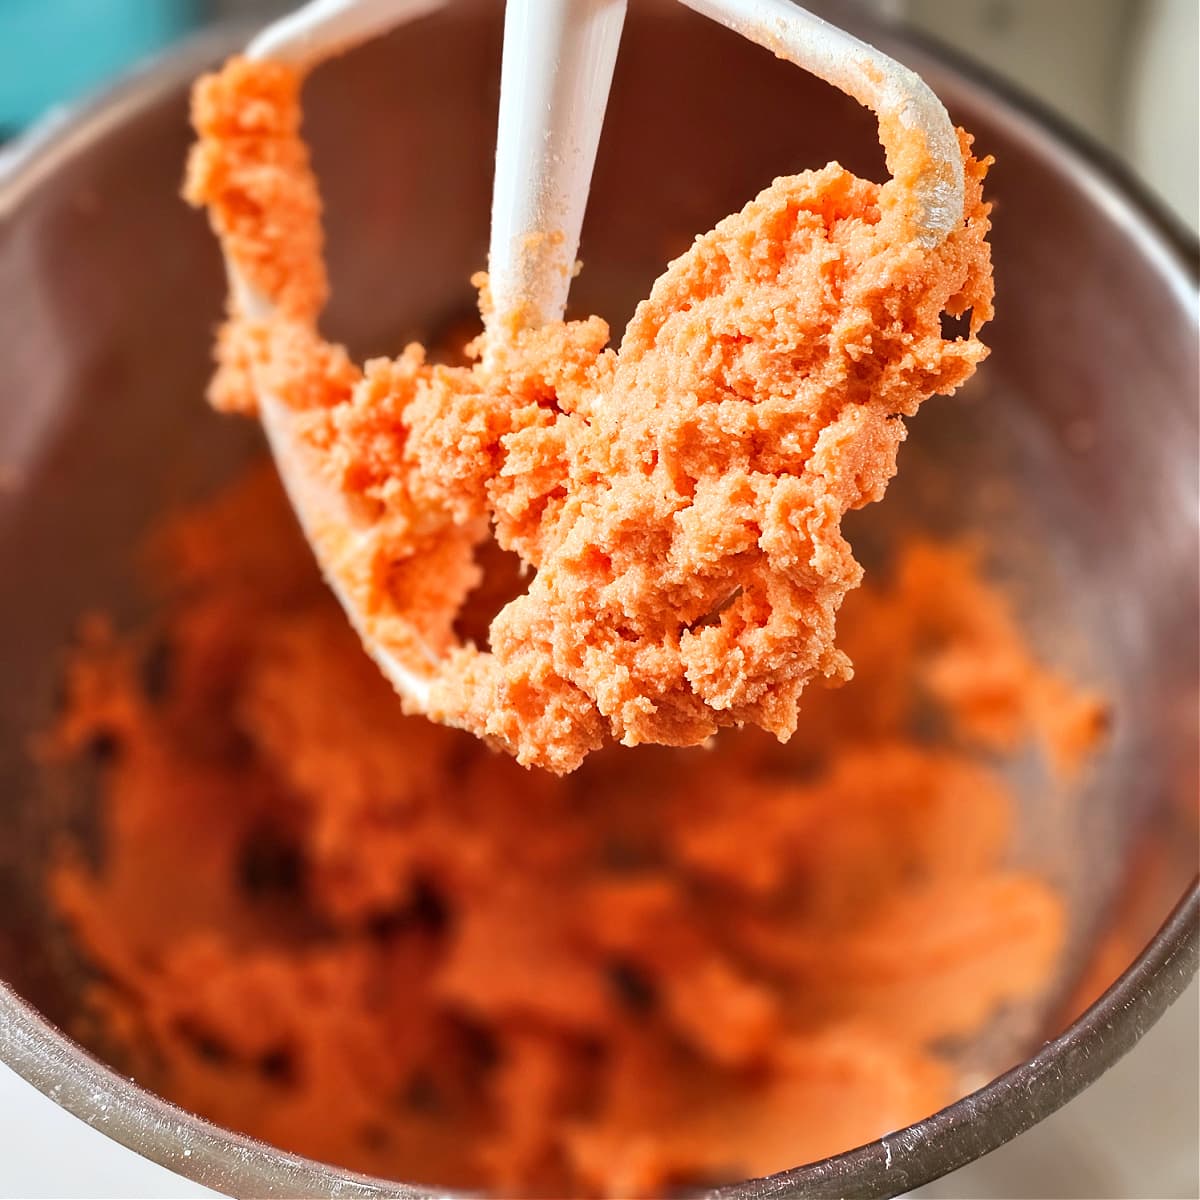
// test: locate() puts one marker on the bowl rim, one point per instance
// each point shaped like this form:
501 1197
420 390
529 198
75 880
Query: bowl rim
231 1163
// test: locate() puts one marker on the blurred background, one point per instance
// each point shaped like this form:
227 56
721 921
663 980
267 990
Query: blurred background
1123 71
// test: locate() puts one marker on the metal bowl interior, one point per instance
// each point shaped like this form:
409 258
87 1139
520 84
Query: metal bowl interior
1074 453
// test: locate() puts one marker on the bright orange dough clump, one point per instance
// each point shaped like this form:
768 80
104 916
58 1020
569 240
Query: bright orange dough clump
678 501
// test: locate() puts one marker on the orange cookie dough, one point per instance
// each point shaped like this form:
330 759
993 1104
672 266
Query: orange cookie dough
368 939
677 502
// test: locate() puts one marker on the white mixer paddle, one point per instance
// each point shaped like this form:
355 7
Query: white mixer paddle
557 68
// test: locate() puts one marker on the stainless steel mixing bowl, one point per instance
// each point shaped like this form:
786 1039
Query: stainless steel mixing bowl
1076 452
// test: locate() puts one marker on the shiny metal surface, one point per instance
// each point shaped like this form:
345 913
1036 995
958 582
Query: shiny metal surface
1076 453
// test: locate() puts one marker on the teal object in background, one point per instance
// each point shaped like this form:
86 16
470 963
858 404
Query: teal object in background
53 50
